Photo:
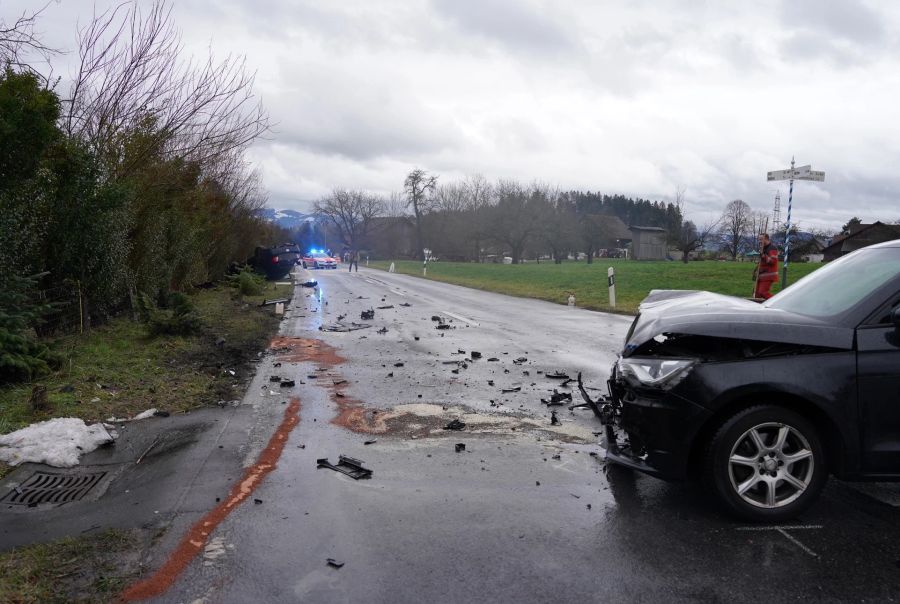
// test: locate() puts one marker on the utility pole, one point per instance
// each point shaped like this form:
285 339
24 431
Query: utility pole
792 174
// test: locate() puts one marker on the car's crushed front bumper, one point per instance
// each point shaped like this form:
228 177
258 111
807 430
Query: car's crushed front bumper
649 431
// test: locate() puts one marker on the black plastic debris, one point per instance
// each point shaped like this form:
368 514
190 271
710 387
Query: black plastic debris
558 375
416 338
391 374
460 351
312 376
287 383
334 563
346 465
490 382
274 378
460 447
513 389
558 398
493 360
406 304
161 413
398 364
367 315
257 501
455 425
382 331
520 360
475 355
386 307
310 283
442 326
554 421
437 318
277 365
338 382
370 442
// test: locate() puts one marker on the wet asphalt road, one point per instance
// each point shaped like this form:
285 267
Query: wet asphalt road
528 511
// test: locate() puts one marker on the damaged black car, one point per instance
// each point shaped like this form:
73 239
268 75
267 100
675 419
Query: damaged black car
761 402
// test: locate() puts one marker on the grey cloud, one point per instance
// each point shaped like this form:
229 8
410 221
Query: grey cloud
850 20
509 23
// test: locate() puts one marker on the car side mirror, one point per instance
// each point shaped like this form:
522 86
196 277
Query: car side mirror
895 318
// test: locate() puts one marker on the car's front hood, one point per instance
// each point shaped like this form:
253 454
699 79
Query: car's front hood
707 314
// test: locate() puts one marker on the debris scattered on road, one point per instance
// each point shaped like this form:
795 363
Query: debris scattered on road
442 326
287 383
367 315
437 318
460 447
391 374
346 465
277 365
386 307
493 360
406 304
490 382
312 376
382 331
270 302
344 327
370 442
257 501
398 364
513 389
520 360
334 563
554 421
161 414
338 382
558 398
274 378
310 283
147 450
475 355
455 425
558 375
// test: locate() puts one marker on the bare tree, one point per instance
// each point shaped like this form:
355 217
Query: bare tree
133 97
418 186
734 226
18 39
516 218
686 237
351 213
479 195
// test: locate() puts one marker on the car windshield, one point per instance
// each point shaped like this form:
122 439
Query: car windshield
841 285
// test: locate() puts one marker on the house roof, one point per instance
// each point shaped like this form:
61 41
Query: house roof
865 235
646 228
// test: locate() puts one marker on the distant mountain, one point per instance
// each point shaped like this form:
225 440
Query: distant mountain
287 219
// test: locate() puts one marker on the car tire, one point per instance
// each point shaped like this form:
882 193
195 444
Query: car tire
765 464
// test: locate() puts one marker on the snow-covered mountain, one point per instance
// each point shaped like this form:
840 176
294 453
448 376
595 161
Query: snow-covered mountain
288 219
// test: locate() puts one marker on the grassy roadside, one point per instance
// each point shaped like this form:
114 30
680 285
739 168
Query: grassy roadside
94 568
588 282
118 370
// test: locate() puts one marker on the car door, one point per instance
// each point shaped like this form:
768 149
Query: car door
878 383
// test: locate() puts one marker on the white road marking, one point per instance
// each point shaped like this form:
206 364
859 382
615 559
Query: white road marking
398 292
460 318
796 542
784 531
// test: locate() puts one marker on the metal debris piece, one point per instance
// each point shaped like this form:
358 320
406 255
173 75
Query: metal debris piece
287 383
493 360
455 425
520 360
346 465
442 326
460 447
367 315
386 307
513 389
334 563
343 327
558 375
475 355
558 398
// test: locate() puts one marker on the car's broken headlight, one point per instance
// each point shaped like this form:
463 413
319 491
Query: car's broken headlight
655 372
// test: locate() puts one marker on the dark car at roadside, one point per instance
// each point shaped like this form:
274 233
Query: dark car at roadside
275 262
761 402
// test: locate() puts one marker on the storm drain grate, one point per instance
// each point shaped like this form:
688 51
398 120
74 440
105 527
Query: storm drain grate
44 487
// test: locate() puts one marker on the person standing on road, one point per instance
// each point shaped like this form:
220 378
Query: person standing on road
767 269
354 259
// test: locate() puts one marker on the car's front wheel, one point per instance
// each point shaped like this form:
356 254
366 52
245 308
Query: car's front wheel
766 463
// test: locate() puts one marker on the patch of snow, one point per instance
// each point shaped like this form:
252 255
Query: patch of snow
57 442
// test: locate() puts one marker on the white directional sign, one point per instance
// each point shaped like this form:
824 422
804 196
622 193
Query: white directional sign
798 173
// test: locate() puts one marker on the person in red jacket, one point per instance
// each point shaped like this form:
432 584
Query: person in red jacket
767 269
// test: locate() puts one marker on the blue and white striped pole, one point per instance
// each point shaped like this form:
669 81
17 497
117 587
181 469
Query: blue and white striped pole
787 231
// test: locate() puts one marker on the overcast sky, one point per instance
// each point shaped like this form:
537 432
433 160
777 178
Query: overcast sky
637 97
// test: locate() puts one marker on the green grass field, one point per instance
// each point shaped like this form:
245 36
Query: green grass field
553 282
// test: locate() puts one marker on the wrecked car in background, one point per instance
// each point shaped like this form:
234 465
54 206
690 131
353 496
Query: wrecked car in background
275 262
762 401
